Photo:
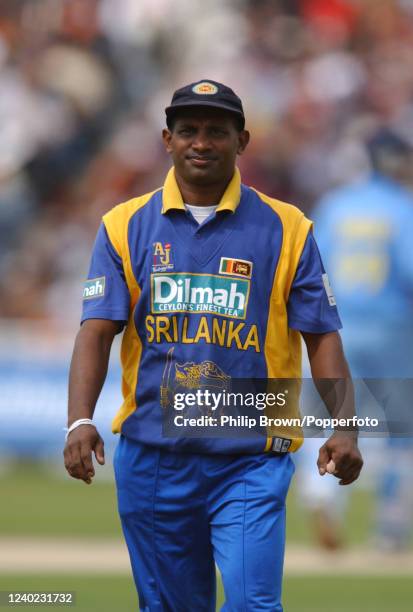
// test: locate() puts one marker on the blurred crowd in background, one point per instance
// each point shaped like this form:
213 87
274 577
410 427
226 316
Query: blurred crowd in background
83 86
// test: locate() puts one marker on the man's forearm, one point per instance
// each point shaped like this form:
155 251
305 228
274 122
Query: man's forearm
331 375
88 367
339 455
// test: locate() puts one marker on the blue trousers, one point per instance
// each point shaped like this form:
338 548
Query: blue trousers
182 513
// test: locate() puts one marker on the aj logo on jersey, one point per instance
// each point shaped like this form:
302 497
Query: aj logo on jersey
162 260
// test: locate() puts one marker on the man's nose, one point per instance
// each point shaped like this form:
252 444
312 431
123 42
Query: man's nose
201 142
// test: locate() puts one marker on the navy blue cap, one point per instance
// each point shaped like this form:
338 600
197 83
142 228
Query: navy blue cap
386 147
386 139
206 93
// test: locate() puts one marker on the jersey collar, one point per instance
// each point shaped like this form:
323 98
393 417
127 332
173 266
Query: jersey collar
172 198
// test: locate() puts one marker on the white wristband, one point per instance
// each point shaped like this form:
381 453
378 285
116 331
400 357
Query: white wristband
77 423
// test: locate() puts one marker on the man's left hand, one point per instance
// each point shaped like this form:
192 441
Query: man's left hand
341 457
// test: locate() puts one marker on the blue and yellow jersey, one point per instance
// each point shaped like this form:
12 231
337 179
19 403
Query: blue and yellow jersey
221 300
364 231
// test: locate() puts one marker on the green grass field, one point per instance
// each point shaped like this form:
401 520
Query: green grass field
38 502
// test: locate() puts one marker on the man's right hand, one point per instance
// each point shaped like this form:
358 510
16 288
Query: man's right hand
78 452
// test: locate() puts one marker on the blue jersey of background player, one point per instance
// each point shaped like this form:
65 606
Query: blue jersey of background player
183 511
364 232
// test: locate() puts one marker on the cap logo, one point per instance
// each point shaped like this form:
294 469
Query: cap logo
205 88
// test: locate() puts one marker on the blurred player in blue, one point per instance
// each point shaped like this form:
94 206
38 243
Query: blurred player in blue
212 281
365 235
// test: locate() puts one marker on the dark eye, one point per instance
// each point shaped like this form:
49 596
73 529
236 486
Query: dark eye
185 131
217 131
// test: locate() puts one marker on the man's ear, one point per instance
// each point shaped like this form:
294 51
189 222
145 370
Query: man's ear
166 137
243 140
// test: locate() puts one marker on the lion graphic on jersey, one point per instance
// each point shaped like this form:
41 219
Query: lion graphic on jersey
190 376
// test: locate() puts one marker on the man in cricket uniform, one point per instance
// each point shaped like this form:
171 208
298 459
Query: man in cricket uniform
211 281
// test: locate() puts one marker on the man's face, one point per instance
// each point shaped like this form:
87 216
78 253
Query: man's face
204 144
